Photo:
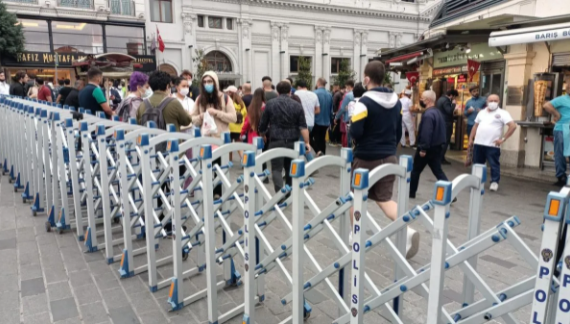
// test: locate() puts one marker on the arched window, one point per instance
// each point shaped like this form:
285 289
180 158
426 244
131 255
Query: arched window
218 62
165 67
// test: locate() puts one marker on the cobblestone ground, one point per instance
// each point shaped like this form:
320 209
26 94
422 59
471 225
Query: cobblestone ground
47 278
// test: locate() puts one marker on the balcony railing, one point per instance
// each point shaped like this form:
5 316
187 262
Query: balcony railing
82 4
24 1
122 7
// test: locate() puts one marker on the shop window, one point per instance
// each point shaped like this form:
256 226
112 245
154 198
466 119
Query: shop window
294 65
83 37
201 21
36 35
218 62
161 11
215 22
122 39
338 63
230 24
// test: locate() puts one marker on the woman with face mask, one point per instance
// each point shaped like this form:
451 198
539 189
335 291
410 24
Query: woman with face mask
139 90
182 90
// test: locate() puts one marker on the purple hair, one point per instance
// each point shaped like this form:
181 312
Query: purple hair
137 79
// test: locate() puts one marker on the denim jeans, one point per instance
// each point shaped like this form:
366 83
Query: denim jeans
482 154
559 158
469 128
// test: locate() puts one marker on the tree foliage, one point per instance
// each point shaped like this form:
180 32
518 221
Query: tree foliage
11 33
345 73
388 79
305 72
201 66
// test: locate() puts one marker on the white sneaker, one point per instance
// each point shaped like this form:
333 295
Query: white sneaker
494 186
412 243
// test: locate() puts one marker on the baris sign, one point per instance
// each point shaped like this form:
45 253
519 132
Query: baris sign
532 37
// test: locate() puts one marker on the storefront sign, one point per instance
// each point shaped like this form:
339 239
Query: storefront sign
554 34
479 52
46 59
451 70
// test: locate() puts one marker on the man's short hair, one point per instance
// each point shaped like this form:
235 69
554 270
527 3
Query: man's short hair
267 83
19 75
473 87
30 75
61 82
40 81
186 73
159 80
78 83
93 73
283 87
290 79
430 95
452 92
322 82
349 83
301 83
246 87
358 90
376 71
67 82
266 78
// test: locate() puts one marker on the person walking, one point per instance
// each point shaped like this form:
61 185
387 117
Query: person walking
284 122
358 92
64 91
241 113
247 96
30 83
140 90
44 92
376 129
559 108
310 103
473 106
446 105
113 95
268 88
254 111
487 137
407 119
431 141
182 91
17 87
323 119
72 99
4 86
342 114
194 90
92 97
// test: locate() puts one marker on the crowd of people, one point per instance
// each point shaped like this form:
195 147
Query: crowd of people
367 116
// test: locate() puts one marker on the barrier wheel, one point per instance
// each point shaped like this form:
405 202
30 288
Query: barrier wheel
116 220
48 227
184 255
306 316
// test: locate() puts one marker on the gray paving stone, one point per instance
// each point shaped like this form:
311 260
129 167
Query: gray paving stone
93 313
116 298
43 318
86 294
7 234
153 317
8 243
59 290
63 309
9 283
31 271
80 278
32 287
124 315
35 304
501 262
75 320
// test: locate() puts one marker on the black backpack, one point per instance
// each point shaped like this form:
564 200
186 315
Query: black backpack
154 114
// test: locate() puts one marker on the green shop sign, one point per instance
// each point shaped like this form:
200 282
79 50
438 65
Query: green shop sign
479 52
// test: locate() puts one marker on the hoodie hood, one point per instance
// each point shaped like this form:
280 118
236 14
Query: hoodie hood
214 76
382 96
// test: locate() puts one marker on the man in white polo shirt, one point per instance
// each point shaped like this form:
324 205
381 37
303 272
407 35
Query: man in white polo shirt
310 103
487 135
407 119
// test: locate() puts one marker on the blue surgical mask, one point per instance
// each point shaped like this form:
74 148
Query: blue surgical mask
209 88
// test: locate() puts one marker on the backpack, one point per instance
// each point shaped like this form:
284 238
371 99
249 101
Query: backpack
239 116
155 115
126 106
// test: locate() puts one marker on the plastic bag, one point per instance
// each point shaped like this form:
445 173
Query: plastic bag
209 125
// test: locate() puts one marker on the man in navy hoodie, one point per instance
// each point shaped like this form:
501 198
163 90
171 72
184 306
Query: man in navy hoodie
376 130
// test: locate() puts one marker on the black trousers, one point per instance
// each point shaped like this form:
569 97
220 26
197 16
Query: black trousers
277 165
433 159
318 139
448 132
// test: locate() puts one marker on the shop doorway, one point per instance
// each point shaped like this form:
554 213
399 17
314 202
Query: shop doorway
49 75
493 79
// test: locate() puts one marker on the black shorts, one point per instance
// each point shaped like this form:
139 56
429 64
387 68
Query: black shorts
235 137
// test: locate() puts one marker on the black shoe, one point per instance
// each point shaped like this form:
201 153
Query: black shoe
266 180
561 182
454 200
412 196
445 162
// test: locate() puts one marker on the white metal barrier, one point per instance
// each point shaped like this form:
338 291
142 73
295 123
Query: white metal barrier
119 176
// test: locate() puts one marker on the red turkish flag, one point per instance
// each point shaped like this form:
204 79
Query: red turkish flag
413 77
472 68
160 42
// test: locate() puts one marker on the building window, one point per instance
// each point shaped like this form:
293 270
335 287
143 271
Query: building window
79 37
215 22
218 62
200 21
122 39
294 65
161 11
36 35
230 24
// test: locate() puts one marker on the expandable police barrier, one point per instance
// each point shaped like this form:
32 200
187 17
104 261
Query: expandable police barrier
118 175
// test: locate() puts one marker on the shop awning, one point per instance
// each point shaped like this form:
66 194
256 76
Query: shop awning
404 57
535 34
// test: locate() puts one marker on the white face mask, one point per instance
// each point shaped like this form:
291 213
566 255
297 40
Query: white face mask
184 91
147 93
493 105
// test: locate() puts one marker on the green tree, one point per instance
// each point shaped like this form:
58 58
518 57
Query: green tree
201 66
388 78
11 33
305 71
345 73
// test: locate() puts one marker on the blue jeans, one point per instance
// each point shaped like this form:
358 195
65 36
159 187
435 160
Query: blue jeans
482 154
469 128
559 158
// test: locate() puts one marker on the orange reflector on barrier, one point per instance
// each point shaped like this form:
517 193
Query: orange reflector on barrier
357 179
171 290
122 259
294 169
439 193
202 152
244 161
168 146
554 206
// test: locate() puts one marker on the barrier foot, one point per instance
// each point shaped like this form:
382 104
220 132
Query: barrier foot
5 167
110 261
124 269
88 241
61 225
11 179
153 289
51 219
306 310
142 234
245 319
235 279
36 206
173 296
17 184
26 194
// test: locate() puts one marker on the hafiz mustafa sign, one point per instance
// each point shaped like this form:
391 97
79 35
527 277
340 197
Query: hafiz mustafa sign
531 37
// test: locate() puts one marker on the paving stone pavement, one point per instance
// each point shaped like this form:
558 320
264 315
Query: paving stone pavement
47 277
